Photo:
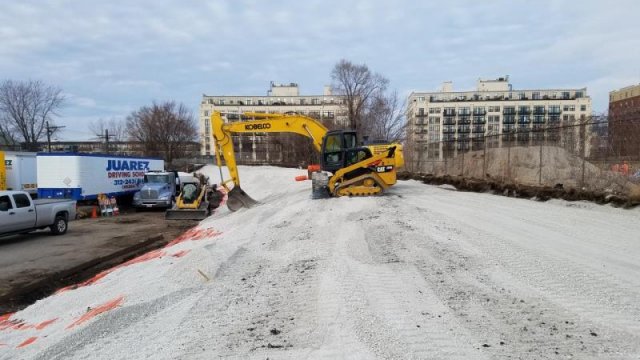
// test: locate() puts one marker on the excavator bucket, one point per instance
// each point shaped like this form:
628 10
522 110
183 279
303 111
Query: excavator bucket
237 199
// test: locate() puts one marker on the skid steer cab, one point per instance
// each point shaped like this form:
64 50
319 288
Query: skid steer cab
346 168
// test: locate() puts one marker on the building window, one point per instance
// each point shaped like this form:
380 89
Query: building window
435 110
569 108
434 120
535 95
421 111
583 107
420 98
464 111
494 108
206 113
566 95
522 96
554 109
579 94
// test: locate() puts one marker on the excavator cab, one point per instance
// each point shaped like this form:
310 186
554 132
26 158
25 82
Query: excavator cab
340 149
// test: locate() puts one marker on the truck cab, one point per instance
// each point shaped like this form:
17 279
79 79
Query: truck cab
159 190
21 214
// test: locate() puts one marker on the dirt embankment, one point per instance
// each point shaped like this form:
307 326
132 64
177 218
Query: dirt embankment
542 193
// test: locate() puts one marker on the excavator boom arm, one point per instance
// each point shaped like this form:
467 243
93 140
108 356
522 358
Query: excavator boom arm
260 123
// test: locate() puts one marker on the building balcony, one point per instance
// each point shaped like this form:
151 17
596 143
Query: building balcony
421 115
479 121
509 120
524 112
509 112
449 130
479 112
449 121
539 111
478 129
463 137
449 112
555 112
464 129
463 146
477 137
464 121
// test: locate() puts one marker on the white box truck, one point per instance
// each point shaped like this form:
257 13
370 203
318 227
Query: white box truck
21 171
83 176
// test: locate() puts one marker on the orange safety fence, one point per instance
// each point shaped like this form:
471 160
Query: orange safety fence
109 305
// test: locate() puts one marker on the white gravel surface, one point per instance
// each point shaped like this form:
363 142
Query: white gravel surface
421 272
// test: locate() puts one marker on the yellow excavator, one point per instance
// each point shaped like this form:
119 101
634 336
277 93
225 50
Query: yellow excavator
346 168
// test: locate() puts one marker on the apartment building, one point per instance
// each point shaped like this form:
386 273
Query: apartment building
469 118
280 98
624 121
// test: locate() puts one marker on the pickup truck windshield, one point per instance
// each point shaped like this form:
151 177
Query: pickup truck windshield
156 179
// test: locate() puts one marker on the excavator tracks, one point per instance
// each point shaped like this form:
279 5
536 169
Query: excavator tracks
363 185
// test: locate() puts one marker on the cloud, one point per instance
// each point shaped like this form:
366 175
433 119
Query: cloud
121 55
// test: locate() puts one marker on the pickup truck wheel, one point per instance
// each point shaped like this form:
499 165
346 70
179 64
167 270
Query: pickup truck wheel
59 226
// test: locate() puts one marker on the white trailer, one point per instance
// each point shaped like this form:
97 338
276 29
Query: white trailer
21 171
85 176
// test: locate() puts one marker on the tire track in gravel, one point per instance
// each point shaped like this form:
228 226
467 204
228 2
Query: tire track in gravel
534 315
378 299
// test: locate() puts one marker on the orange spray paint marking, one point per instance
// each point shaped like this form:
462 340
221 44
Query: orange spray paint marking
194 234
109 305
181 253
29 341
142 258
44 324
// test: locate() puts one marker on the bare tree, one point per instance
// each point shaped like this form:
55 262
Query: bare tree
117 128
165 129
358 84
385 118
25 109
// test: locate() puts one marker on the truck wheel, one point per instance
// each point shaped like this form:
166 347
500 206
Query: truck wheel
59 226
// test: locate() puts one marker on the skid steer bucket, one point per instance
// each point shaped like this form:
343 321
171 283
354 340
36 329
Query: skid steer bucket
186 214
237 199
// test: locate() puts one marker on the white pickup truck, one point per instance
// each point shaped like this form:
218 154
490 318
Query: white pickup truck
20 214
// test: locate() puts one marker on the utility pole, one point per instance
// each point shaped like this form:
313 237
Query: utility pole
106 138
51 130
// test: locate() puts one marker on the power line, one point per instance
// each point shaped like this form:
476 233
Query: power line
106 137
50 131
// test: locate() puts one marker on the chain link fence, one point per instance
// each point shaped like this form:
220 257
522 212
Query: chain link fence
578 156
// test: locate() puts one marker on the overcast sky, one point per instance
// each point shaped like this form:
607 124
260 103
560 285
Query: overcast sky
111 57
